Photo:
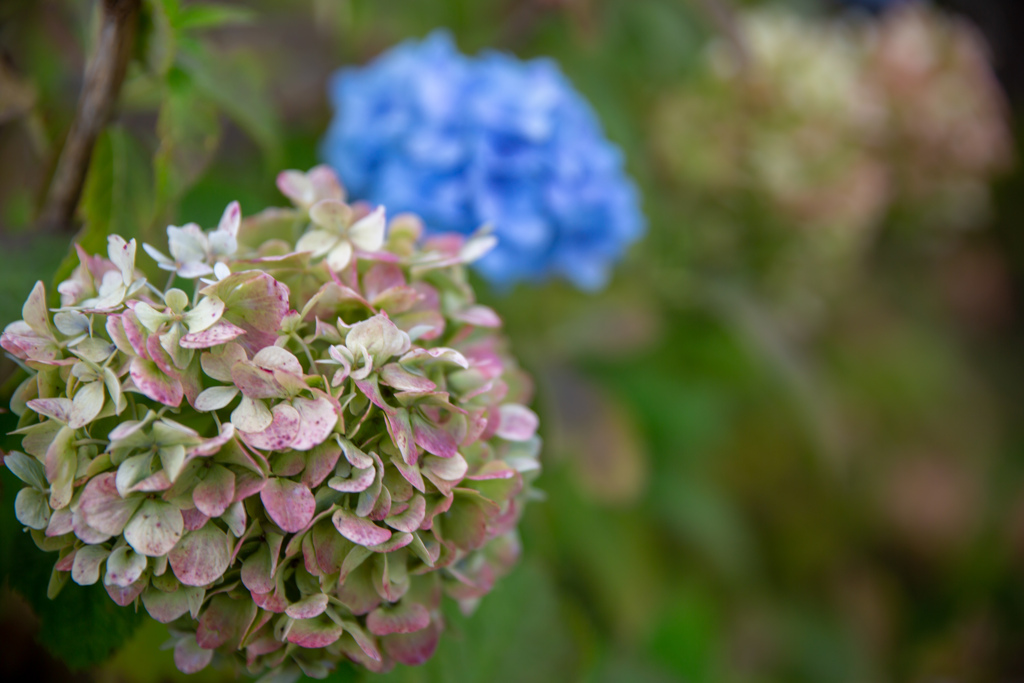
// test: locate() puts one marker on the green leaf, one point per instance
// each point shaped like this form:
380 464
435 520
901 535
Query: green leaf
189 131
156 45
195 17
234 83
82 626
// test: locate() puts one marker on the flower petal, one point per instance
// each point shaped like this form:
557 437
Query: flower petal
189 658
201 557
405 617
154 384
281 432
367 233
317 242
215 493
316 422
124 567
102 508
220 333
359 530
289 504
86 569
215 398
331 214
155 528
204 315
251 416
516 422
340 256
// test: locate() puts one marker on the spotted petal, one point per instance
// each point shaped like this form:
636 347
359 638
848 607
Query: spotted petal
155 528
289 503
201 557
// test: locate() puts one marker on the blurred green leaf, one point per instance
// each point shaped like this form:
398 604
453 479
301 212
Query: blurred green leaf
233 82
23 260
156 43
189 131
82 626
211 16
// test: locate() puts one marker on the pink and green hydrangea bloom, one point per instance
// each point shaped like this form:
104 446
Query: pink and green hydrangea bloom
292 463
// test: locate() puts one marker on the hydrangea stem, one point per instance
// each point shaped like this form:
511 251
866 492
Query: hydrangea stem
103 77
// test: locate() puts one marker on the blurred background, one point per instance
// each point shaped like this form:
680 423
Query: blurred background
785 444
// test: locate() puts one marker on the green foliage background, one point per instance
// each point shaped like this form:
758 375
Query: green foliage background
724 504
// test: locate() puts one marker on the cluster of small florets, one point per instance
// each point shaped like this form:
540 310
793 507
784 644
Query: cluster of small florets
291 464
829 126
470 140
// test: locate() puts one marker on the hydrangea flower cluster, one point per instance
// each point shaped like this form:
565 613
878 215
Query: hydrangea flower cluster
492 140
827 127
292 463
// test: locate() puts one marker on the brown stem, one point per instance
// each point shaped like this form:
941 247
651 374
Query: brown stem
103 77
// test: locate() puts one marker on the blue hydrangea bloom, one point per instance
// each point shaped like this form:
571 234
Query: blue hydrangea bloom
872 5
465 142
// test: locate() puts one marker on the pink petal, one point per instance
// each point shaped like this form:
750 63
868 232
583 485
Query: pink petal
126 596
314 633
289 504
61 522
413 649
481 316
213 445
102 508
400 430
255 382
405 617
412 518
276 358
317 419
254 301
308 607
394 375
215 493
194 519
359 530
57 408
358 480
380 278
201 557
248 484
433 438
411 473
320 462
134 332
165 607
189 657
257 571
231 219
154 384
516 422
220 333
224 622
281 432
